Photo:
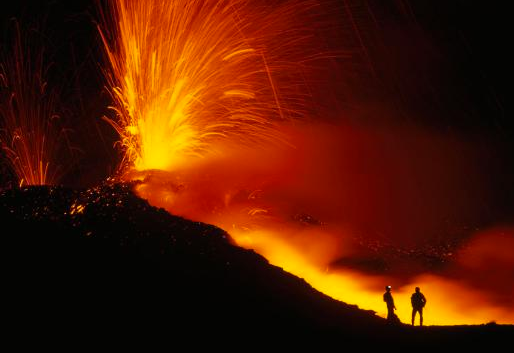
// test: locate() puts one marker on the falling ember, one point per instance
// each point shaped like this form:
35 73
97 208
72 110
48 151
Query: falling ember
28 134
191 76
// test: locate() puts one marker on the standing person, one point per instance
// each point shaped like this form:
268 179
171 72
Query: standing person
418 301
388 298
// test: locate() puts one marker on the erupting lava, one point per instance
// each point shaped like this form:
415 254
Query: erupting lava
202 92
189 74
28 108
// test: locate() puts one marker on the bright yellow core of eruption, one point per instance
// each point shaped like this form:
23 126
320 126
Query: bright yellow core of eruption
163 131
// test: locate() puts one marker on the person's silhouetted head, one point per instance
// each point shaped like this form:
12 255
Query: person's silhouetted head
417 289
388 288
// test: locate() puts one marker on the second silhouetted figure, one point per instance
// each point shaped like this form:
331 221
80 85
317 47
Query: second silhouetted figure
418 301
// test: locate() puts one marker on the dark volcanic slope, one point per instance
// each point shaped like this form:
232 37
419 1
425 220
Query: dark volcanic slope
104 261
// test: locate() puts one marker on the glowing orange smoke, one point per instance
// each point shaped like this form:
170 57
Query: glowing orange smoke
188 74
28 134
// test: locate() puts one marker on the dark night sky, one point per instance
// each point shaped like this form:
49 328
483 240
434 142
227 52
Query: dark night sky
436 65
460 47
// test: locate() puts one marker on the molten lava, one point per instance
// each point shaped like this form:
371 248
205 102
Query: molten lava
188 74
204 92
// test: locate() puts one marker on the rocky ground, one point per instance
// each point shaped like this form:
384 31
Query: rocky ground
102 262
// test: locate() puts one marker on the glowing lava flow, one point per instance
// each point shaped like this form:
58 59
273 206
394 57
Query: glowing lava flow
471 306
308 252
187 75
28 134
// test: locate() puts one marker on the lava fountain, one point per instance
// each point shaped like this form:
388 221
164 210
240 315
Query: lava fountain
205 94
29 133
189 76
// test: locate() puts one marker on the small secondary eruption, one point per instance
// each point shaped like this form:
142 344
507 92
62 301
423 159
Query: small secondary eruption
188 76
29 134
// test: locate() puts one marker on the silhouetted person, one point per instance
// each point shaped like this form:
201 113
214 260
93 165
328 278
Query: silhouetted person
388 298
418 301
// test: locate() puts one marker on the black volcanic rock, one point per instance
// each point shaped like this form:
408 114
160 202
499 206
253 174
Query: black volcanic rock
80 262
